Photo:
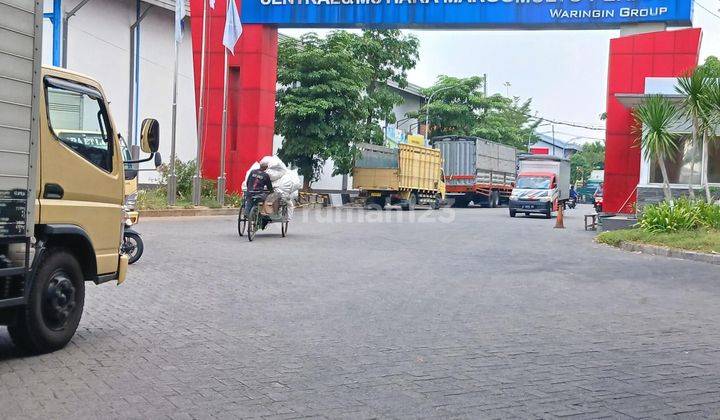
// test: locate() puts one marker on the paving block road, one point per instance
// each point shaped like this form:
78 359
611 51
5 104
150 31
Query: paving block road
359 314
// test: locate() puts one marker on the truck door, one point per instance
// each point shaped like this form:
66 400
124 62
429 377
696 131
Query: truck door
81 172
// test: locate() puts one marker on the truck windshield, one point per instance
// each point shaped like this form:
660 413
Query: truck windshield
533 182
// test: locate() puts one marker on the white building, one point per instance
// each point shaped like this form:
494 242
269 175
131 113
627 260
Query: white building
99 45
649 188
555 147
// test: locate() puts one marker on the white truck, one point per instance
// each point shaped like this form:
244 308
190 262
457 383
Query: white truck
476 170
542 185
61 197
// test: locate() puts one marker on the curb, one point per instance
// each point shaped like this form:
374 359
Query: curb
227 211
670 252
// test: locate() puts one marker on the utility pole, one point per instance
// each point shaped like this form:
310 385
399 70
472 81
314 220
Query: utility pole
172 178
197 179
485 84
223 137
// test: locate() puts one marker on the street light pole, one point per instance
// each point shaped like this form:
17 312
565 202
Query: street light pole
427 109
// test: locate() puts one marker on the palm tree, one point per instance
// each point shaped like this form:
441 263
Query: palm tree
656 116
693 87
712 105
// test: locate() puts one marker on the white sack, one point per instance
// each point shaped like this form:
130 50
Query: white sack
276 168
287 183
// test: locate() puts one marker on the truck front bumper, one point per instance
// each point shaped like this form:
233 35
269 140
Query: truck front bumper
527 206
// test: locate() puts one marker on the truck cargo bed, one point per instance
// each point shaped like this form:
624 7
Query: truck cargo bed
407 168
20 61
473 164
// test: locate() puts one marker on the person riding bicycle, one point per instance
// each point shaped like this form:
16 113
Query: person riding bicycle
258 184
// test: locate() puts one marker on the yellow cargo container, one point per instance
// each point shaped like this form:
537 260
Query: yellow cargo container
407 176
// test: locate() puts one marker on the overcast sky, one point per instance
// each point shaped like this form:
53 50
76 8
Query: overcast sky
564 72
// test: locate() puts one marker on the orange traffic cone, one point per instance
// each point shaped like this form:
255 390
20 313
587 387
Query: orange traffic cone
559 222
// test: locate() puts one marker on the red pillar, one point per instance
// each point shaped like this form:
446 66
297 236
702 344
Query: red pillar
251 104
632 59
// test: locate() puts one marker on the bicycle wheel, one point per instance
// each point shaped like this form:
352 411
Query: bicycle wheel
242 223
284 221
253 222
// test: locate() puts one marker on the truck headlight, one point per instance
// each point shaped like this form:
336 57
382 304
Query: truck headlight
131 201
513 197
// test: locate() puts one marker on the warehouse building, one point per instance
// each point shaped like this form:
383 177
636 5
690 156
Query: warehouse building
129 47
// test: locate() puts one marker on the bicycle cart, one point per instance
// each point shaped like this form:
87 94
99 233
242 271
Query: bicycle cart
256 219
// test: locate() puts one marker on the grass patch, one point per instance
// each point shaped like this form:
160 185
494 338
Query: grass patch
692 240
156 199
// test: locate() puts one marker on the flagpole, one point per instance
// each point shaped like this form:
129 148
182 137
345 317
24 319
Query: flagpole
201 112
172 179
221 178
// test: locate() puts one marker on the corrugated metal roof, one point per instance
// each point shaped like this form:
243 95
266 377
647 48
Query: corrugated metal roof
168 4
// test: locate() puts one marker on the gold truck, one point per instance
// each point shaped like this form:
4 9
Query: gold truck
61 187
408 175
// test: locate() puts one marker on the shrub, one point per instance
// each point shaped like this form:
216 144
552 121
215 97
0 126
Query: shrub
680 215
709 215
185 172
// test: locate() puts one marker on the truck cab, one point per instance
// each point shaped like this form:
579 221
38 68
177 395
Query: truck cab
534 192
542 185
77 182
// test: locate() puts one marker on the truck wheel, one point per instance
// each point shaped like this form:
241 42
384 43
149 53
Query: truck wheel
55 304
411 203
460 203
548 214
376 204
512 213
435 205
493 199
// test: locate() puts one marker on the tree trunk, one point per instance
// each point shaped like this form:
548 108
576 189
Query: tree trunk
306 183
704 169
666 181
691 190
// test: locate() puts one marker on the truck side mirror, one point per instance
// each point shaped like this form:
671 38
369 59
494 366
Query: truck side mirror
150 135
158 160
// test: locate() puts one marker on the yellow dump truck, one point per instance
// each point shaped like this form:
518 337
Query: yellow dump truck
408 175
61 187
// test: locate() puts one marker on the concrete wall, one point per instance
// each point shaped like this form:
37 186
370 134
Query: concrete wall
99 46
653 194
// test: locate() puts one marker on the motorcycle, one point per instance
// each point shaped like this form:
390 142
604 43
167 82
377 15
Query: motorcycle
132 244
571 203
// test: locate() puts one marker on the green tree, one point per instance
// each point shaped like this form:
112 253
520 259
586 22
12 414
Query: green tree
317 113
711 67
693 89
589 158
655 117
507 122
389 54
459 106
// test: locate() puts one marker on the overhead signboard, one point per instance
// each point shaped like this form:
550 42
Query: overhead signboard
479 14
